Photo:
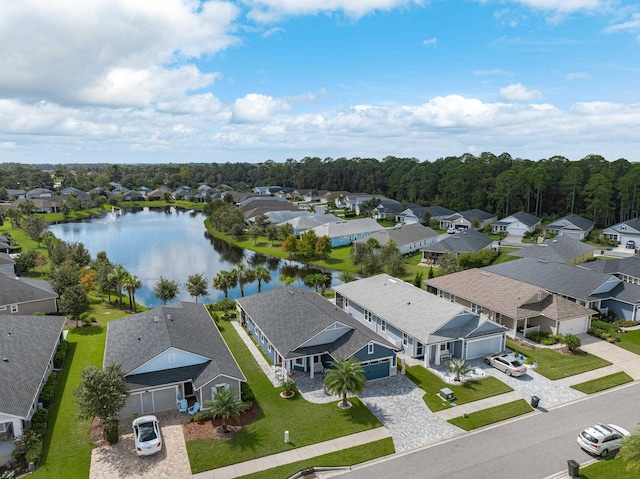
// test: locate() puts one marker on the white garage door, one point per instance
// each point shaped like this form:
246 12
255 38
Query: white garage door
573 326
517 231
479 347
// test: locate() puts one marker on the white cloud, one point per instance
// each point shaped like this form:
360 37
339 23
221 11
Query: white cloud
88 50
265 11
518 92
578 76
563 6
632 25
430 41
255 107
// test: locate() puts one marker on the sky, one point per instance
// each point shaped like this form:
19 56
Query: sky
159 81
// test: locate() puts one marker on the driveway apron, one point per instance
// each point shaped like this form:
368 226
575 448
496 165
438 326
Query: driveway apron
625 360
397 403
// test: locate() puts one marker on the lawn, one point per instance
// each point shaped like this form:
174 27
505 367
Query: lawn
346 457
606 382
67 446
467 392
629 340
307 423
492 415
610 468
555 365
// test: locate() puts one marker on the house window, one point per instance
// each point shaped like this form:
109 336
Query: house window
367 315
218 388
405 339
261 337
441 293
171 358
476 308
370 348
452 298
14 308
383 326
346 303
3 308
269 348
298 361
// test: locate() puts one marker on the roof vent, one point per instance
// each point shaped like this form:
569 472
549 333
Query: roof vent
6 360
156 319
140 338
169 317
290 292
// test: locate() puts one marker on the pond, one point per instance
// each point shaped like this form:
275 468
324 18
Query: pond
172 243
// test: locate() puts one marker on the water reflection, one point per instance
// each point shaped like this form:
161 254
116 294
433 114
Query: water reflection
171 243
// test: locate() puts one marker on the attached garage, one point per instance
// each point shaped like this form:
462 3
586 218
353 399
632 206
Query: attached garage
148 402
573 326
476 348
376 369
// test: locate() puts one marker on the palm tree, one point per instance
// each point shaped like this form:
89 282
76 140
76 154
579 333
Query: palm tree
243 275
345 376
131 283
262 273
116 276
458 367
287 280
347 277
224 281
225 405
316 280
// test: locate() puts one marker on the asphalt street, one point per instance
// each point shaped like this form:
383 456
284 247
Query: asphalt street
534 446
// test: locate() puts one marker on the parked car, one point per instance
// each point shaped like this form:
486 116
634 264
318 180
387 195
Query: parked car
451 230
146 434
601 439
506 363
630 244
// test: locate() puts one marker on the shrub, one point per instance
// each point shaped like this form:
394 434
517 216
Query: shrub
39 420
61 352
289 386
246 393
34 453
224 305
625 323
547 339
49 390
201 416
571 341
110 431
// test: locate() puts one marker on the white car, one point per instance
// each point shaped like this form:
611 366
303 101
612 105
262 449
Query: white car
451 230
506 363
601 439
146 434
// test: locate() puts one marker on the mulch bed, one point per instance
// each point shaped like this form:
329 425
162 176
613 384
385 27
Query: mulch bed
213 429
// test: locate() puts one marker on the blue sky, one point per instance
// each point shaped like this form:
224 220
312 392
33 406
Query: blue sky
179 80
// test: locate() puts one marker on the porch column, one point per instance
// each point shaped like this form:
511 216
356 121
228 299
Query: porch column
312 368
17 427
437 346
515 328
526 324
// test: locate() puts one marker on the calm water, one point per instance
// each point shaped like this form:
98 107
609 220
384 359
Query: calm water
172 244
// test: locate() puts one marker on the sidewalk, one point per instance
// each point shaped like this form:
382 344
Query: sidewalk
474 406
295 455
623 359
269 370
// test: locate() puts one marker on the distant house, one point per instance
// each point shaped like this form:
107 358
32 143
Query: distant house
15 194
266 190
171 352
627 269
408 238
4 244
519 306
343 233
43 204
71 191
37 193
387 210
574 226
562 249
28 345
26 296
421 324
517 224
303 223
157 194
464 241
300 330
625 231
133 195
467 219
7 263
416 214
602 292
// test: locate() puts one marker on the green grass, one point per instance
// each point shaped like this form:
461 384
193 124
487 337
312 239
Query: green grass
346 457
67 445
307 423
492 415
467 392
554 365
606 382
610 468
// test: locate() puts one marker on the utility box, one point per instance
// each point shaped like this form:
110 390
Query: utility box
446 394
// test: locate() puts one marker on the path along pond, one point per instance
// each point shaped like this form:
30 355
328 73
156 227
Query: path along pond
172 243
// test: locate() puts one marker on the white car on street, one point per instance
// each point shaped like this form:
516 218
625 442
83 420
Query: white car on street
146 435
601 439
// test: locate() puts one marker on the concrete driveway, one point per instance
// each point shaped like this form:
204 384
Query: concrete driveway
120 460
625 360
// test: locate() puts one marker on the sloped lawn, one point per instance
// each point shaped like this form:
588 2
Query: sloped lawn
492 415
606 382
554 365
467 392
307 423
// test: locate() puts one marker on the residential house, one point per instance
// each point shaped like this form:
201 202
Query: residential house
464 241
278 217
343 233
15 194
625 231
387 210
517 224
5 244
133 195
303 223
300 330
157 194
573 226
28 345
266 190
420 323
71 191
26 296
335 196
520 306
408 238
602 292
7 264
37 193
561 249
417 214
467 219
183 193
44 204
168 353
627 269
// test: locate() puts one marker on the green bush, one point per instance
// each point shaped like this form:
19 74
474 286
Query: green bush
547 339
246 394
61 352
39 420
49 390
625 323
110 431
201 416
224 305
34 453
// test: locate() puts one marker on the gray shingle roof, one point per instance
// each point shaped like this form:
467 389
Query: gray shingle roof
28 343
346 228
402 235
23 290
629 266
572 222
134 340
633 224
464 241
561 249
401 304
290 316
481 215
524 218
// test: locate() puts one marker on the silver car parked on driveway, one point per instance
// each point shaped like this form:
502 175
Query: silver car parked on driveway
506 363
